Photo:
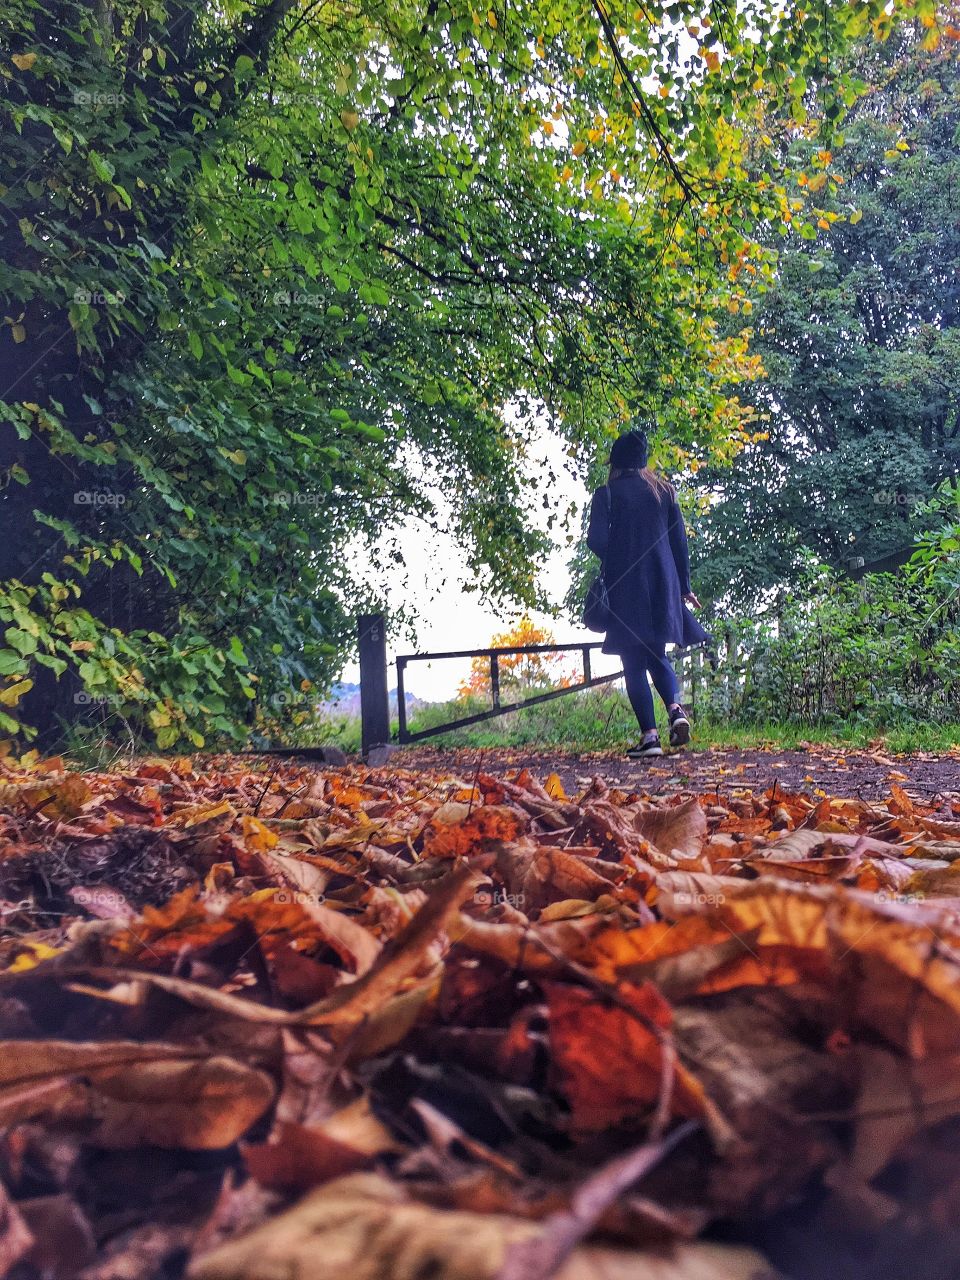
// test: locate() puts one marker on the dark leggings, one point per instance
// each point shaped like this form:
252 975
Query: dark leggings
636 663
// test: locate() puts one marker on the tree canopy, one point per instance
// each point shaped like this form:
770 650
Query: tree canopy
859 336
271 270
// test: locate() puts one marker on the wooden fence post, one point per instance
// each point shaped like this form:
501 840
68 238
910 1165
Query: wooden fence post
374 694
683 677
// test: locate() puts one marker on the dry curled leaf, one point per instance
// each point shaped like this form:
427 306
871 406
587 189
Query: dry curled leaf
366 1228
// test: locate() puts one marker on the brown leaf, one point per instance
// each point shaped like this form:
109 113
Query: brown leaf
351 1003
551 875
678 830
299 1157
133 1093
353 943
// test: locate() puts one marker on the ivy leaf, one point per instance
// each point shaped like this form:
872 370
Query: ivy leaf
102 168
11 662
22 641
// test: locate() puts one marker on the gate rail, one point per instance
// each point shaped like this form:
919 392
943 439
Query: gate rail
499 708
375 697
690 665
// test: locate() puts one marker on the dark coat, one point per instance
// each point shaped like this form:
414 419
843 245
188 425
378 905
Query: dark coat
640 537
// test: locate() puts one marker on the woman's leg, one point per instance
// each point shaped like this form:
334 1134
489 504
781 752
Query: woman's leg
664 678
638 688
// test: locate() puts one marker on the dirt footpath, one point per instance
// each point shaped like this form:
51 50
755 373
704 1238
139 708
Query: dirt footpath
866 774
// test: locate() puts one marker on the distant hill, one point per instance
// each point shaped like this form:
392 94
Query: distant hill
344 700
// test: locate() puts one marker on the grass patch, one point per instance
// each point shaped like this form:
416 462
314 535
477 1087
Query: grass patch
602 720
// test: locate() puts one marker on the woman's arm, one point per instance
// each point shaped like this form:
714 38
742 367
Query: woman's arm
678 545
598 530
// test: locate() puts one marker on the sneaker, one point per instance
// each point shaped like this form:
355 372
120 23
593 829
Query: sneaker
679 727
647 746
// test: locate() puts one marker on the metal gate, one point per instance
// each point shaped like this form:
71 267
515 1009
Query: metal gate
374 685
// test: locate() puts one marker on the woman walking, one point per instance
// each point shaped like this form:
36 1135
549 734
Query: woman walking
637 531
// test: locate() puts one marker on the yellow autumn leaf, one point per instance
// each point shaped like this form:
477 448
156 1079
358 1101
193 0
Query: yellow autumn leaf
33 953
579 148
554 787
197 815
18 331
10 696
258 835
23 61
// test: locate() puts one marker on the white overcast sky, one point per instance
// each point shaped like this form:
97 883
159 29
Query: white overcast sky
451 618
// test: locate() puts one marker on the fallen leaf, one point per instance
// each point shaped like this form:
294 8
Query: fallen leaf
365 1228
132 1093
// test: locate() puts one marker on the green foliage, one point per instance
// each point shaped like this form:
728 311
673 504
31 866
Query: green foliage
860 339
880 653
271 275
598 719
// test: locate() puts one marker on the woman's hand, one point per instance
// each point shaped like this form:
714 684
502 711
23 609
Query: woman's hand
692 600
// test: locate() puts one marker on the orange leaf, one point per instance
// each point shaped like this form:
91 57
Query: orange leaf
607 1060
301 1158
485 825
554 787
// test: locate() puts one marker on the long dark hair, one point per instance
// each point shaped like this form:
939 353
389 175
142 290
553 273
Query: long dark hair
662 488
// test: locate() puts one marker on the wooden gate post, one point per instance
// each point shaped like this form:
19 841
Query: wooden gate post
374 695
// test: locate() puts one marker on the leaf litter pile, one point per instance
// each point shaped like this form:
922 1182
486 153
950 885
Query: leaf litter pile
273 1023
